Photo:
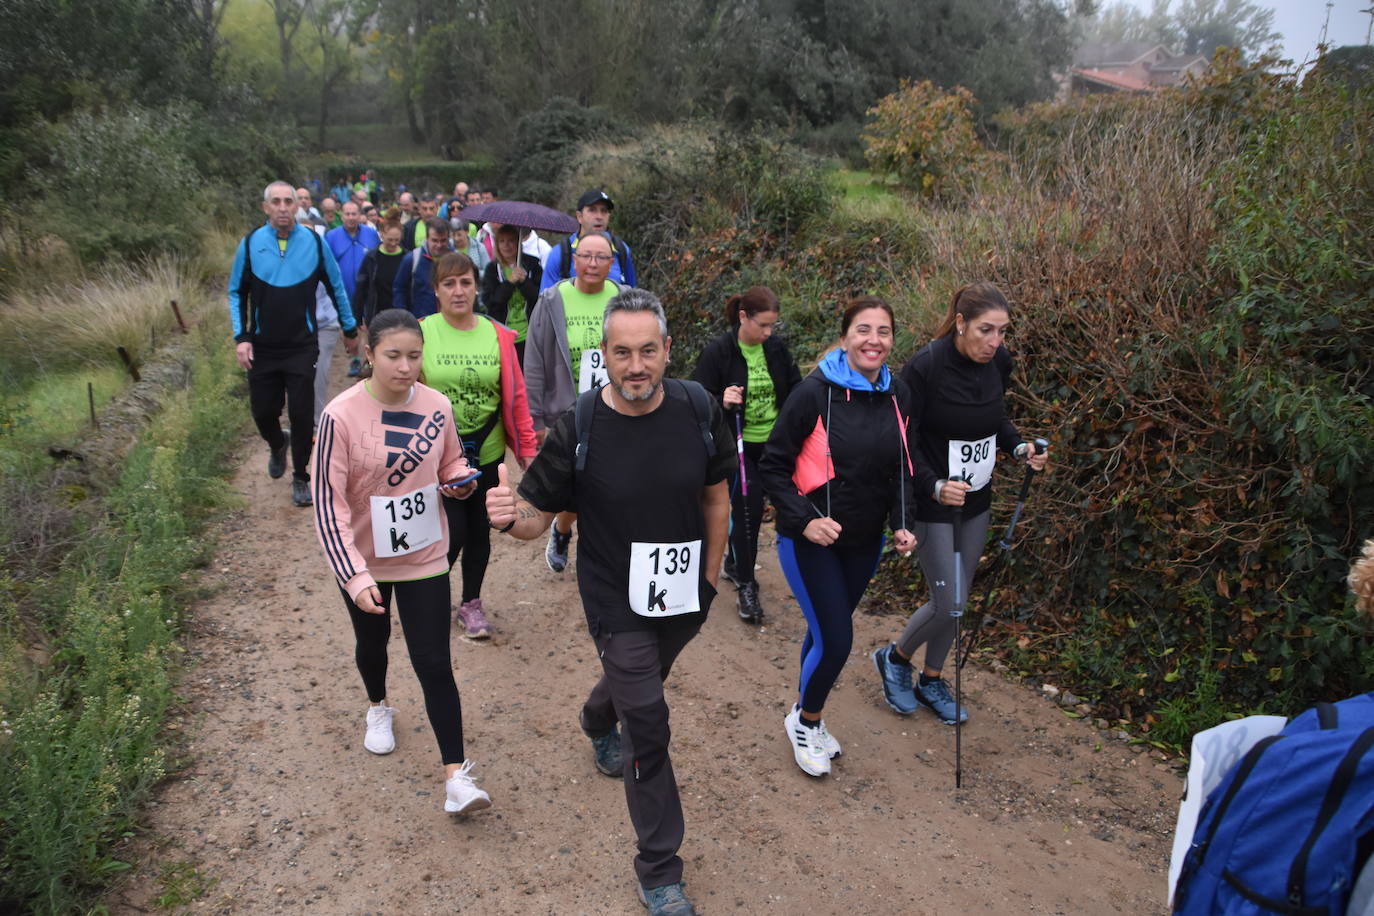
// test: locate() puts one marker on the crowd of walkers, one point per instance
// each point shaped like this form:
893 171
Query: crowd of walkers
479 340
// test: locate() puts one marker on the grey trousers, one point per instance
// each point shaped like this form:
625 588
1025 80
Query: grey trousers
329 339
931 625
634 665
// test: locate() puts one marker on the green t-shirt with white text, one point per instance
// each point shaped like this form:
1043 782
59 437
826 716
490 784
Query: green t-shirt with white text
761 403
466 367
584 314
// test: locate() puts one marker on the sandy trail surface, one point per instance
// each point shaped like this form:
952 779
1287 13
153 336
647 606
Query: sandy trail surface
281 809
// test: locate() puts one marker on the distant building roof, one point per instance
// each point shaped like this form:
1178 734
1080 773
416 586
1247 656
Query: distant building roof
1182 62
1098 53
1112 80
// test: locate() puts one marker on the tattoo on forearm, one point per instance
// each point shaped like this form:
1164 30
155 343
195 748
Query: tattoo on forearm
528 511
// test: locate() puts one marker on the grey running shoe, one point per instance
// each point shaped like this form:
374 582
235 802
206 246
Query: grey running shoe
276 458
355 365
556 554
668 900
936 697
728 570
300 493
606 754
750 610
896 679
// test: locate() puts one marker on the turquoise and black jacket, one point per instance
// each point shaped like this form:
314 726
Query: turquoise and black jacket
272 292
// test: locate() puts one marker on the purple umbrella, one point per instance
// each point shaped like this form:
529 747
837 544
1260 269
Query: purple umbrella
522 214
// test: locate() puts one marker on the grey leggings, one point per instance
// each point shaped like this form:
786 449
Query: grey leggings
931 624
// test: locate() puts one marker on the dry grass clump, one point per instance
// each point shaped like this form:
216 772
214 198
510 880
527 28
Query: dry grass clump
82 322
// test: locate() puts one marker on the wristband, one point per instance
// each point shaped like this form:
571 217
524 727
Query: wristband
503 530
939 486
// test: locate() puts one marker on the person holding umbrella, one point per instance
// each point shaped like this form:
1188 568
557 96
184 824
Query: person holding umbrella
751 372
957 383
510 285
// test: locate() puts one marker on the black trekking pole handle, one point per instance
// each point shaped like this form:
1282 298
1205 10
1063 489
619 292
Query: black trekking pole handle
1041 446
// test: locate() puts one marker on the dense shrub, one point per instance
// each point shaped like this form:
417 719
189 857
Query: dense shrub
545 143
924 136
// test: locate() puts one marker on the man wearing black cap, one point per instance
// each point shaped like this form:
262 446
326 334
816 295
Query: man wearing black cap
593 215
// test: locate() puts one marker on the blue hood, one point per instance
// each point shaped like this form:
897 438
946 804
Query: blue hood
835 367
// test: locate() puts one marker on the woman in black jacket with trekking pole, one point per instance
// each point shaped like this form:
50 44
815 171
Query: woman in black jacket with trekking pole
751 372
957 383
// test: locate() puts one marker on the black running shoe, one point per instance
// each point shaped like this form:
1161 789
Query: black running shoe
300 493
750 610
276 458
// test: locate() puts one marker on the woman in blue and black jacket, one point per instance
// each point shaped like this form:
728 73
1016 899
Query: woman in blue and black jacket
751 372
838 469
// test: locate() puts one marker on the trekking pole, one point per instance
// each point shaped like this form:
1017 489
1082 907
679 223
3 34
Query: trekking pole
957 612
1005 543
744 494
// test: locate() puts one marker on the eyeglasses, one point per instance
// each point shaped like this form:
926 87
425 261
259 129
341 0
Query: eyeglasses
765 326
593 257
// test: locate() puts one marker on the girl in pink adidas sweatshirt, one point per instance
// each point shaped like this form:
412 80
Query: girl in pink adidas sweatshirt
386 453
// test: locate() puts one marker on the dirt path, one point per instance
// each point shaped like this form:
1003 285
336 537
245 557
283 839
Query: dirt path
283 808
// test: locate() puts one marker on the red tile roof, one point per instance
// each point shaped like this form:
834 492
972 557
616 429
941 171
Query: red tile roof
1115 80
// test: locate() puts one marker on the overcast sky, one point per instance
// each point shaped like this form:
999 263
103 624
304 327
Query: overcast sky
1300 23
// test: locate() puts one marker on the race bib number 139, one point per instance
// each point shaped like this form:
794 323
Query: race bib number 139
664 578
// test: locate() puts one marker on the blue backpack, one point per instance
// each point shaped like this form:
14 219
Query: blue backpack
1290 827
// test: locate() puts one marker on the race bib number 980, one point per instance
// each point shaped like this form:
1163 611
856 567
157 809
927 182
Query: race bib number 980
973 460
405 523
664 578
593 372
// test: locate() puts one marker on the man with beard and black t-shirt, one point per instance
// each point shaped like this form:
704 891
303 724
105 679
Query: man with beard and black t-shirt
649 485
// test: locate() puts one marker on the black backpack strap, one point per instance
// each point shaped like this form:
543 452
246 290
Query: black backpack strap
695 394
472 442
582 422
1327 718
565 267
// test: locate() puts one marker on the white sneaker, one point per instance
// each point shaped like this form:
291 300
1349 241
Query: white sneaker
832 746
807 748
379 738
463 794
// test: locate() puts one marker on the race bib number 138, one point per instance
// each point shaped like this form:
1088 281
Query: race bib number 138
664 578
406 522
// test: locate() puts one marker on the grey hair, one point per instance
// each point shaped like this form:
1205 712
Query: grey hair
267 191
635 300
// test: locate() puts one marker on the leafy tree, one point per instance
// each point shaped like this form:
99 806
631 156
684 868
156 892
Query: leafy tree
1195 27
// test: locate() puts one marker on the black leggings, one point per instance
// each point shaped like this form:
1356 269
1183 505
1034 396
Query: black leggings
828 583
423 606
746 513
468 528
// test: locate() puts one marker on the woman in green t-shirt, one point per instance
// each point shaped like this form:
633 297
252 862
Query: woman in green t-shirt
472 359
751 372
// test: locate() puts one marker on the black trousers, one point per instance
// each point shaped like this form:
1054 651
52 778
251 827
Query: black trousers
469 533
285 377
423 606
634 665
746 513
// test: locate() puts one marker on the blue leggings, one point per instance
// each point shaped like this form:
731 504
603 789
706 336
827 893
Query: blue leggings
828 583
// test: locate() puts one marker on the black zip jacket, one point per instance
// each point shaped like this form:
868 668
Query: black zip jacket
721 365
869 453
376 274
955 398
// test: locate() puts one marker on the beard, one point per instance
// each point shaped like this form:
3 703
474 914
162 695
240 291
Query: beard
630 394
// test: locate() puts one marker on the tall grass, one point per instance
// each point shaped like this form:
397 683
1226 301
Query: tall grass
87 652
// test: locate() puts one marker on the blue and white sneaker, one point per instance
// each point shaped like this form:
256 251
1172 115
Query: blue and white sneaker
896 678
556 553
606 754
936 697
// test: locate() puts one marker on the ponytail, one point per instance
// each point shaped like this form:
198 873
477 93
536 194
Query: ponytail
971 301
752 301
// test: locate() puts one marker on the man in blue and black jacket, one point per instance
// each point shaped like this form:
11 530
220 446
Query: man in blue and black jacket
272 310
